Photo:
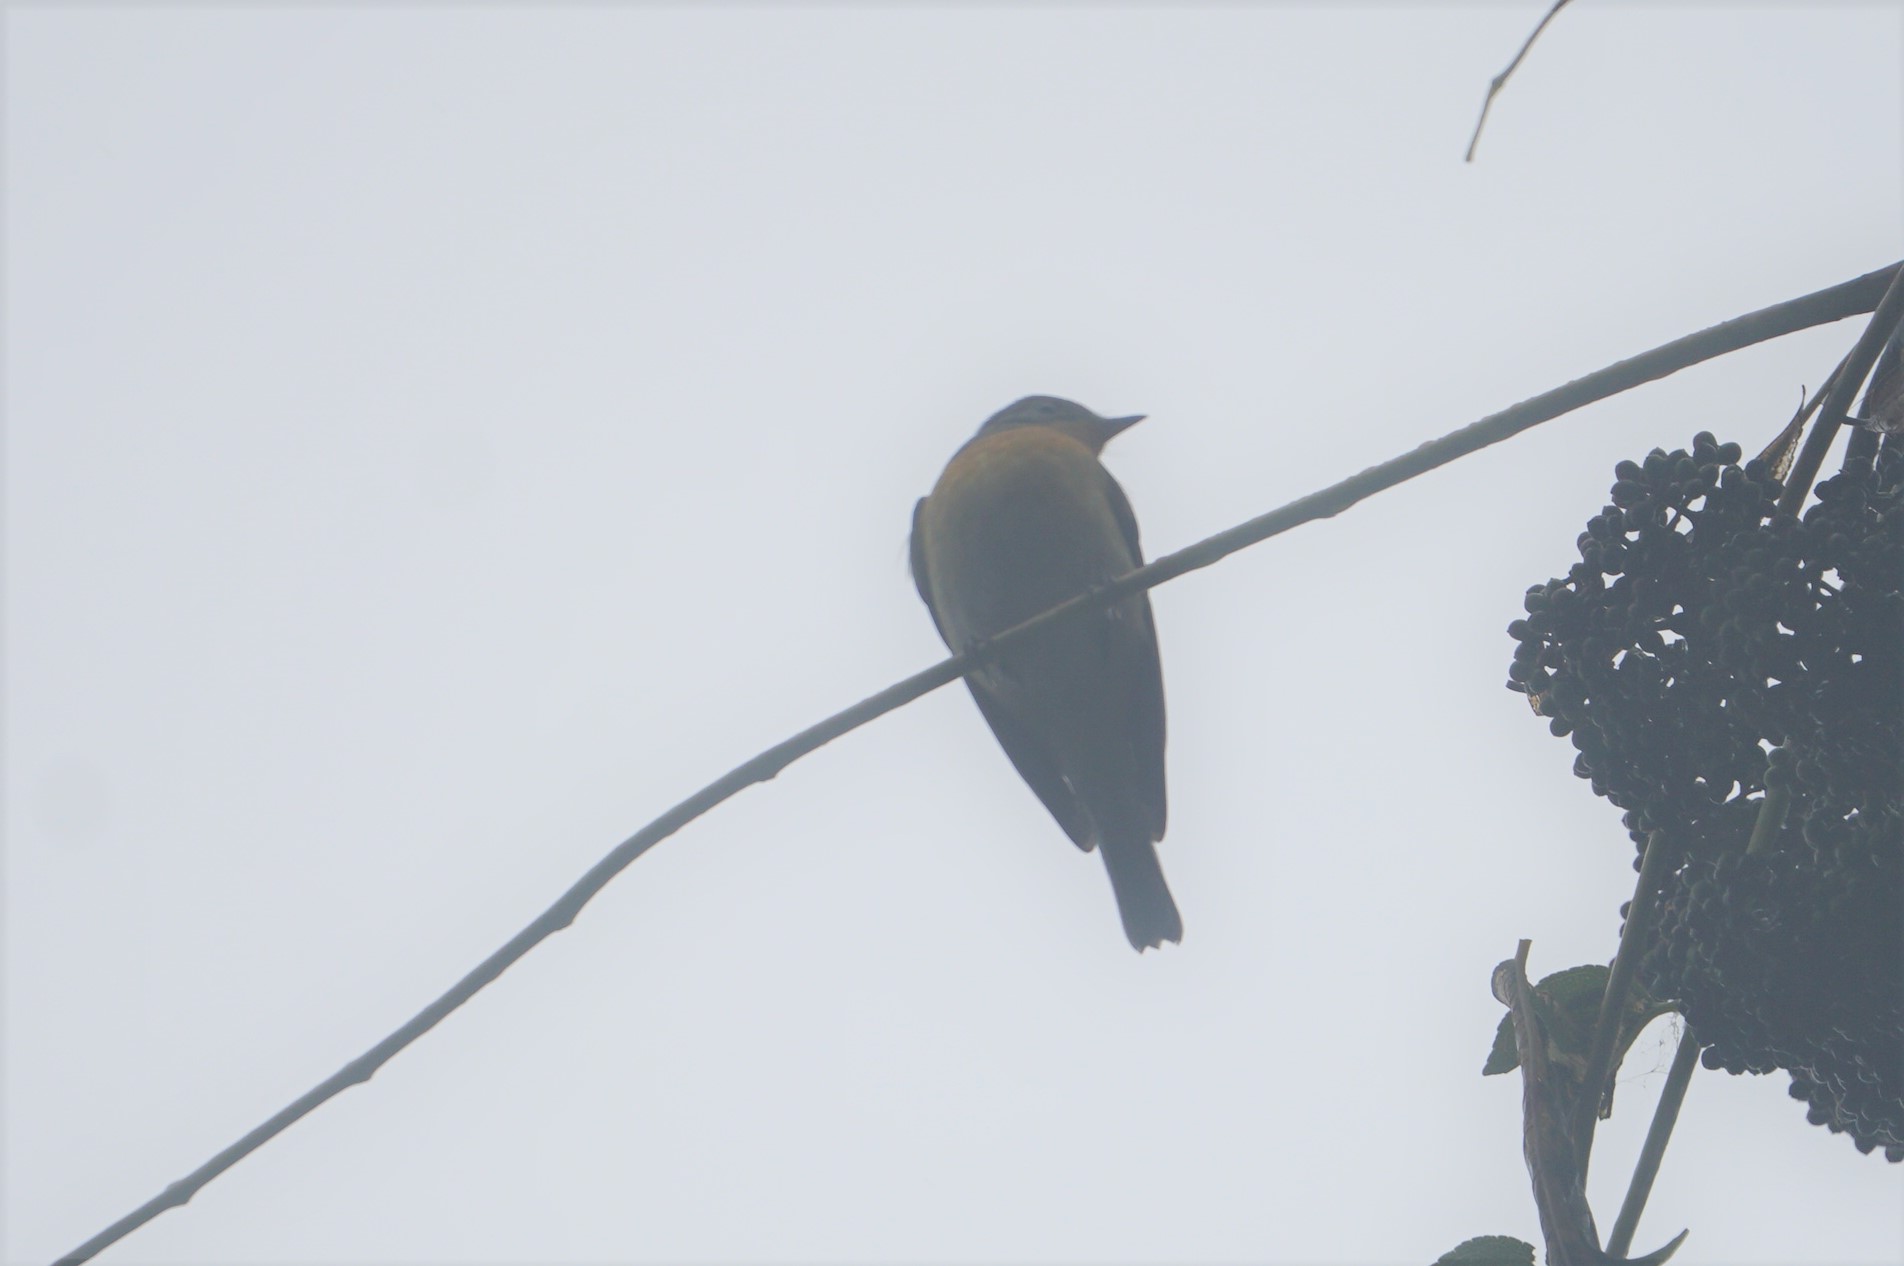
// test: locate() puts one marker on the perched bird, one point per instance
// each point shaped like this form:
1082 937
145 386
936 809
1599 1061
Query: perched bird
1023 518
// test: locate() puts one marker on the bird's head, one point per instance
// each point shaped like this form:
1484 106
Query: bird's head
1065 416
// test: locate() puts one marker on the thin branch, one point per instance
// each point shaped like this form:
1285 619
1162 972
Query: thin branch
1500 81
1884 323
1665 1114
1822 307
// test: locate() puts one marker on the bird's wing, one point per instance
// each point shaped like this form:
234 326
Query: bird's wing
1135 665
1036 766
1028 755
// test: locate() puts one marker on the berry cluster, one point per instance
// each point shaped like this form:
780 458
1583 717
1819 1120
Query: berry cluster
1733 678
1779 963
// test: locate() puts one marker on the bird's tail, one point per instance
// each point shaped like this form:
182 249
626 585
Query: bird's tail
1143 898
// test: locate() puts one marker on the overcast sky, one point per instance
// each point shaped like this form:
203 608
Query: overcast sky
439 439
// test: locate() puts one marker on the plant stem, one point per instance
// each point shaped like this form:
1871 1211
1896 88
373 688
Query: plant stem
1639 926
1851 375
1664 1115
1771 820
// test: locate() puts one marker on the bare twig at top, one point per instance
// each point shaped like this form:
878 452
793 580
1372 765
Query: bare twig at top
1500 81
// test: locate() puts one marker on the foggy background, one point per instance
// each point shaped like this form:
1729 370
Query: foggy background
439 439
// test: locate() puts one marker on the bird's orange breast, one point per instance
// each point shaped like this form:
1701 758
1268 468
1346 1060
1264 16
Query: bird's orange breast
1020 520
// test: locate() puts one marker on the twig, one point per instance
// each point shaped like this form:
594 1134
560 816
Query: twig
1833 304
1665 1114
1884 322
1500 81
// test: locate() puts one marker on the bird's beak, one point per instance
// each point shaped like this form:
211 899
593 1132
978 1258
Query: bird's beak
1117 426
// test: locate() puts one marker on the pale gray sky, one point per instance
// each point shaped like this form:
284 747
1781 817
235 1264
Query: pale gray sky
439 439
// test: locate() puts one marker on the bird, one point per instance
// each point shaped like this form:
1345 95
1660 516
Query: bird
1024 517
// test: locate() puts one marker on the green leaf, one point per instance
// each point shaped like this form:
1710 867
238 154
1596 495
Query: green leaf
1489 1250
1505 1057
1568 1004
